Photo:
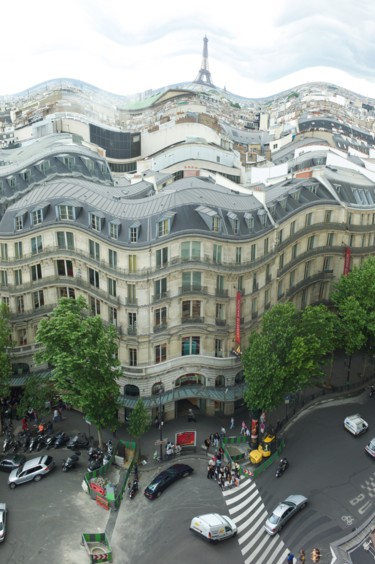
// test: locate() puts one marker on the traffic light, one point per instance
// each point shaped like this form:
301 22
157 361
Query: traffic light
315 555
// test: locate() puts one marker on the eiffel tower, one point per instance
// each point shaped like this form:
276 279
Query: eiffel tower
204 75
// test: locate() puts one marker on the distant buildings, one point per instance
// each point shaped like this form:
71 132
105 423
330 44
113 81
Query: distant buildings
180 223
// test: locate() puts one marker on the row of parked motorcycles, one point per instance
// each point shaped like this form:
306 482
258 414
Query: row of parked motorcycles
29 441
97 457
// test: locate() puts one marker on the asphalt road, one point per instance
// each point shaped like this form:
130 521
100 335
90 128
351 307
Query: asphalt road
158 531
46 518
331 468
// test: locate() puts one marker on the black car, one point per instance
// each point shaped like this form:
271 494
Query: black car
9 463
78 441
166 478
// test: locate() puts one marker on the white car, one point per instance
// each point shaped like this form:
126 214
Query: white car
370 448
355 424
214 527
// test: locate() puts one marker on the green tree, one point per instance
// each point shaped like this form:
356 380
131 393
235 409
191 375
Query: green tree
285 355
83 353
5 348
354 298
37 394
139 422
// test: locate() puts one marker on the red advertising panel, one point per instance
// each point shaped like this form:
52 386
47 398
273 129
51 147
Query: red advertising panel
238 318
347 261
186 438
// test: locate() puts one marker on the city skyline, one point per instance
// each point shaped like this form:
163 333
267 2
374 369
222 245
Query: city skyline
258 52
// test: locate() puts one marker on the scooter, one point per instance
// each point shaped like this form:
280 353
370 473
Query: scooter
41 442
133 489
95 453
50 441
33 443
283 465
61 439
70 462
94 464
6 444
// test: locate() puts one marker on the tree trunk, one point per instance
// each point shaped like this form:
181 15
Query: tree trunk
100 438
364 365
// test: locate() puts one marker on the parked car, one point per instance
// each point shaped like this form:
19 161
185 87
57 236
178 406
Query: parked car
283 512
355 424
3 521
34 469
214 527
370 448
9 463
166 478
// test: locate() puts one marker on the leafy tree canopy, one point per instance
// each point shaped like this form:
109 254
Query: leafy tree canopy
139 420
83 354
286 353
37 395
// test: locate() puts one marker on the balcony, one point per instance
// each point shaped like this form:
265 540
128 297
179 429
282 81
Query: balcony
220 322
132 302
220 293
132 330
193 289
160 296
192 319
160 328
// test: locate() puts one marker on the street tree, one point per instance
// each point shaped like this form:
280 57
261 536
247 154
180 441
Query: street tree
37 395
139 422
354 298
285 355
82 351
5 357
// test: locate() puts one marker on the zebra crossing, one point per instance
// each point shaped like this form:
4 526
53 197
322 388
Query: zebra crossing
247 510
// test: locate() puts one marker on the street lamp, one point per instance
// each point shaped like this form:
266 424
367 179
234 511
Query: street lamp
160 425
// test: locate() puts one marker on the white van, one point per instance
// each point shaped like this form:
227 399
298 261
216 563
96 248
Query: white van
355 424
214 527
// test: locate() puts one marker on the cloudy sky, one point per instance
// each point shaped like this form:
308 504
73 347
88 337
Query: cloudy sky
128 46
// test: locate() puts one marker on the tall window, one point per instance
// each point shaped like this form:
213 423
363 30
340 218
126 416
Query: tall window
94 277
94 306
330 237
65 268
192 281
292 228
65 240
294 251
217 253
310 242
255 282
266 245
220 285
308 219
281 260
18 249
328 216
190 345
36 272
160 353
160 316
163 227
215 224
240 283
18 277
254 308
292 277
112 287
133 234
132 263
307 269
96 222
112 258
132 294
160 289
133 357
114 230
22 337
4 251
20 304
36 245
238 255
191 309
191 250
219 348
220 312
38 299
94 249
37 217
19 222
112 314
67 292
253 252
327 264
3 278
132 320
162 257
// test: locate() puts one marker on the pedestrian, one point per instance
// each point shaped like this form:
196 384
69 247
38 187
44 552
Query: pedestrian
222 433
56 415
232 423
216 440
156 422
290 558
243 428
302 556
25 426
207 443
49 427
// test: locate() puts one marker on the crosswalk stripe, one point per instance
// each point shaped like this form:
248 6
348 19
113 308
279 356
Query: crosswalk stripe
283 557
243 504
263 557
246 535
250 519
240 496
243 484
242 515
253 543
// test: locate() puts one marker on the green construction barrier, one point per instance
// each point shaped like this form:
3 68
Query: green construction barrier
97 547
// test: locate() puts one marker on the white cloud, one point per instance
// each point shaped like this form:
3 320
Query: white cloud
255 49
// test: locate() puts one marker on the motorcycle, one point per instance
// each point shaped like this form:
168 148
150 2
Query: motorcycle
132 489
7 442
50 441
33 443
94 464
95 453
78 441
70 462
283 465
60 440
41 442
135 470
109 446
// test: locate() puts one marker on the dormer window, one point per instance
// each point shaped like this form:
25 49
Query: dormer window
235 222
210 217
165 224
11 181
114 228
37 216
134 232
96 220
262 217
249 221
69 161
26 175
19 220
66 212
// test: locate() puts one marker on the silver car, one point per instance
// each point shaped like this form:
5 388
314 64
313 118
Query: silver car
370 448
283 512
34 469
3 521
